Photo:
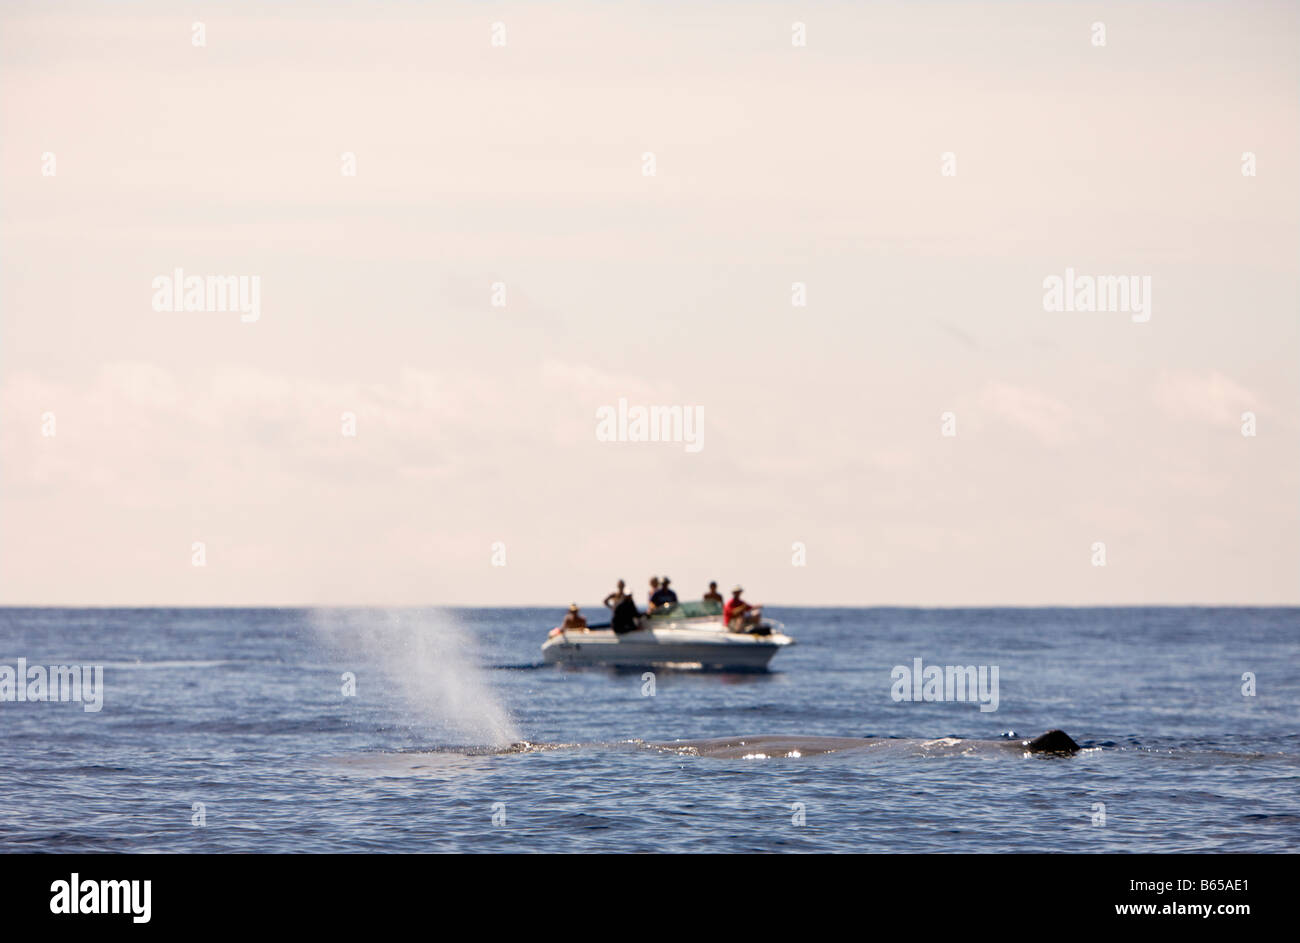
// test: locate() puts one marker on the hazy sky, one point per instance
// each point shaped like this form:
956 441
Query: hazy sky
523 164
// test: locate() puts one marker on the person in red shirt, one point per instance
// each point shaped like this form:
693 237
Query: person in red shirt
738 615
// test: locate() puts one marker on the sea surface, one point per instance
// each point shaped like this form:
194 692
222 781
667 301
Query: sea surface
297 730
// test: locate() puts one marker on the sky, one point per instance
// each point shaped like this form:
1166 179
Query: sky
128 434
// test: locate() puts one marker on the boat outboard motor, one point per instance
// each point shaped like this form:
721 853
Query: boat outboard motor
624 617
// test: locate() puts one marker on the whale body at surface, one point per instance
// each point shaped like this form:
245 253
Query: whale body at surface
1053 742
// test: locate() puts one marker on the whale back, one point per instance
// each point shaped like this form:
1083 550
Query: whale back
1054 741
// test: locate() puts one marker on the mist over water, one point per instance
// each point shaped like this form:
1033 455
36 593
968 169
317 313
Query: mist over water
425 661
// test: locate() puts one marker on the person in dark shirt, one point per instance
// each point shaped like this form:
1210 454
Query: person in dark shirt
654 591
624 618
616 597
664 597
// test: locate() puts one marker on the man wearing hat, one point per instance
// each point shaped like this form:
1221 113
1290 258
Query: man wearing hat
739 615
574 620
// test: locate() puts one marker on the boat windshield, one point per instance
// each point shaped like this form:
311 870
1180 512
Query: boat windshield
697 609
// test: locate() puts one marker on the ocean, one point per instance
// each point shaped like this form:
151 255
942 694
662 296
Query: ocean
299 730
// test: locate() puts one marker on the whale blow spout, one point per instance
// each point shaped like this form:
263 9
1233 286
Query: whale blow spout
1054 741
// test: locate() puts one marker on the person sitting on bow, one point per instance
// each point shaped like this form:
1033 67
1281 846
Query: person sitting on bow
573 622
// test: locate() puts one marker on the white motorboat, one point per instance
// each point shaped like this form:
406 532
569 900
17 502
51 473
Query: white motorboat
687 635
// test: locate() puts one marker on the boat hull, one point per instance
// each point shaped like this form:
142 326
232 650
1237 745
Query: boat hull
671 647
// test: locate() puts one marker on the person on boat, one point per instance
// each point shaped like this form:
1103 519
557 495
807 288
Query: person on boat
624 618
738 615
654 591
616 597
664 597
574 621
713 595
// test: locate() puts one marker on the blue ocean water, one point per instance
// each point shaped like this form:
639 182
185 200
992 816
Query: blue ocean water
238 719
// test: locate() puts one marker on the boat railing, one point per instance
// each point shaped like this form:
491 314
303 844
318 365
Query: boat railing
691 609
